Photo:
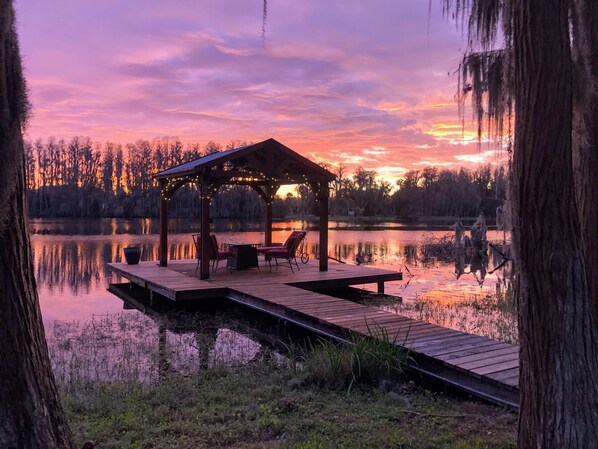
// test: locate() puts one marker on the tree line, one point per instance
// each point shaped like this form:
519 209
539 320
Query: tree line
81 178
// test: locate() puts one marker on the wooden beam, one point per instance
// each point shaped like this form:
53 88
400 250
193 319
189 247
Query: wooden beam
268 225
163 251
323 199
281 167
217 173
259 191
259 165
205 230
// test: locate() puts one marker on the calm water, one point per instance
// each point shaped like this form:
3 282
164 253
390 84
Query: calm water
70 266
70 262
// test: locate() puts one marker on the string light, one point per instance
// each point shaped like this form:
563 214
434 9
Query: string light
273 183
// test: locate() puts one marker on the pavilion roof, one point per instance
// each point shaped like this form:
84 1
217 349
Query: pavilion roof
258 163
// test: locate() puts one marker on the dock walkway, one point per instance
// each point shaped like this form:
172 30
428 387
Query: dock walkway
478 365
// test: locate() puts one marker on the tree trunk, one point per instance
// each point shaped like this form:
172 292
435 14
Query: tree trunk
30 415
585 133
559 342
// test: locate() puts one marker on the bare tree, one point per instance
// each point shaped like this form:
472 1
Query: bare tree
31 415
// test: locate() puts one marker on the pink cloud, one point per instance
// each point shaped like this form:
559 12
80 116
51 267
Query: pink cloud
334 79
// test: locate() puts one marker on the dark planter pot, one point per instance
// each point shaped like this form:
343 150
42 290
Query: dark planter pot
132 254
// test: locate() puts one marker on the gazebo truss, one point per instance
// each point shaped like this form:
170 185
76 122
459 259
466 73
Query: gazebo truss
263 166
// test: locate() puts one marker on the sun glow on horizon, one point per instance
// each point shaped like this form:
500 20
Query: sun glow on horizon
374 96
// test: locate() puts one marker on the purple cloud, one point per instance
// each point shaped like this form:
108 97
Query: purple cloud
341 75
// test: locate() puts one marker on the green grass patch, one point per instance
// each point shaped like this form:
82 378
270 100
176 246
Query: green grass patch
269 404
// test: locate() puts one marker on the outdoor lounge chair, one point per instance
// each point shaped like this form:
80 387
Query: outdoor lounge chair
286 252
265 249
216 255
214 252
197 245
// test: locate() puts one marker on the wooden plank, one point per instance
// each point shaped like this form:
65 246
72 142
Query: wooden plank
420 335
511 381
443 333
401 337
387 318
346 315
340 321
489 369
382 322
482 354
293 301
429 347
504 375
467 349
488 361
424 345
338 307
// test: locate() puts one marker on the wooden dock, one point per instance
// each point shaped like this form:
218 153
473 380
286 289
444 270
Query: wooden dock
483 367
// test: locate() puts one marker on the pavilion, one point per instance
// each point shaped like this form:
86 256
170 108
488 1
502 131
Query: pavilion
263 166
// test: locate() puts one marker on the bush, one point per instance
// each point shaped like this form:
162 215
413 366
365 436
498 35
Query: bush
366 360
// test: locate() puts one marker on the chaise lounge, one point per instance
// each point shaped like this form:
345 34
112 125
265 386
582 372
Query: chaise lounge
286 252
265 249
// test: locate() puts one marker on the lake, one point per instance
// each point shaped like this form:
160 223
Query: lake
70 259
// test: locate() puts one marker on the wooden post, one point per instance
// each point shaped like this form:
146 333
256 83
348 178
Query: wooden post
205 229
268 224
163 251
323 198
381 287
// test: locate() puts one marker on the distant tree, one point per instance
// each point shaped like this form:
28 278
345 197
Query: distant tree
72 163
212 147
235 143
119 167
30 413
161 151
108 168
175 153
454 193
192 152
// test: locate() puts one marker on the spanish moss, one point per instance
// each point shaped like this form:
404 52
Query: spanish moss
264 20
485 72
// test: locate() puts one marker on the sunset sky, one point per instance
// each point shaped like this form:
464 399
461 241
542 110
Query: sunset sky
366 83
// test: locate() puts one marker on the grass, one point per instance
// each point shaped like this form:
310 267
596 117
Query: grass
266 405
123 391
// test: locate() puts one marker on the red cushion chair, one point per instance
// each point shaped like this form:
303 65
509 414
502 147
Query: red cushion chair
215 254
286 253
265 249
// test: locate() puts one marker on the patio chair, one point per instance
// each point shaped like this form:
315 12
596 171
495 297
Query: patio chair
197 245
215 254
286 253
265 249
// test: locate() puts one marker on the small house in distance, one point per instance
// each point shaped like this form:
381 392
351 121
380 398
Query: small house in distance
263 166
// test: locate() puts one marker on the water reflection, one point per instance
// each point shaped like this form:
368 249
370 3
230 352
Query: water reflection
72 277
77 264
71 266
146 226
154 339
92 337
132 346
